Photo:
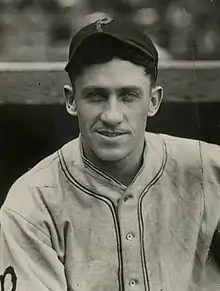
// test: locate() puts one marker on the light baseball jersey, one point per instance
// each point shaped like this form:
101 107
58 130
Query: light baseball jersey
66 225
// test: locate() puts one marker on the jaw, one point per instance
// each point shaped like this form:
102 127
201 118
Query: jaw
114 157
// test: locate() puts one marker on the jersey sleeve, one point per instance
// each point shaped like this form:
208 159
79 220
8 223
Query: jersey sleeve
27 251
29 257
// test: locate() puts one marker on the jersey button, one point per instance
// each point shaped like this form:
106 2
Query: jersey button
133 283
129 236
129 196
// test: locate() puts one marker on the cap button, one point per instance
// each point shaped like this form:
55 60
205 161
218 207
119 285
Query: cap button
101 22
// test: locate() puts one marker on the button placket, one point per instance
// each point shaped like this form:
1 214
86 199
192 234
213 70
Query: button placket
130 241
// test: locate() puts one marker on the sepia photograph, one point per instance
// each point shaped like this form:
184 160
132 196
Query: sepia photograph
110 145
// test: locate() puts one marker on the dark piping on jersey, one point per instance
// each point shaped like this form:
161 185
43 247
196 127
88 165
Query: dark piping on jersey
141 221
113 211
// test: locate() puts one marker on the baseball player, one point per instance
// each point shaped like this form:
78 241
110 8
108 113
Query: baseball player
117 208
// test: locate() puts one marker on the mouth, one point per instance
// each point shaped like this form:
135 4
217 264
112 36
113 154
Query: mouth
111 134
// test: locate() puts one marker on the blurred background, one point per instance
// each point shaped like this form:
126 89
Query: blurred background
40 30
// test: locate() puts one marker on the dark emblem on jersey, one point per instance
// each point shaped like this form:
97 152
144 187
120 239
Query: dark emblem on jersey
9 274
101 22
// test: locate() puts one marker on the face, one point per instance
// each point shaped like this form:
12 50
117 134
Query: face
112 102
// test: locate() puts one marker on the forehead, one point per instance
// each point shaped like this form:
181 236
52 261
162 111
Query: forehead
114 74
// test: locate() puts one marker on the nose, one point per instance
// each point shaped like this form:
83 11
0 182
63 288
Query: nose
112 114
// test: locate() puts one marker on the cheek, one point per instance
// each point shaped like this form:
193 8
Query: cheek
138 115
87 115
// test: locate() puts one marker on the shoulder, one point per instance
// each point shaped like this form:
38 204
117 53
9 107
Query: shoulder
184 150
210 153
39 175
177 143
210 159
25 195
40 186
187 151
192 152
177 147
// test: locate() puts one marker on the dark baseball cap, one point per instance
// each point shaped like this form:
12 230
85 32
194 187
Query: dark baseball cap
119 29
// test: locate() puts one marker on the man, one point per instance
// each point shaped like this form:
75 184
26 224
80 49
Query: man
117 208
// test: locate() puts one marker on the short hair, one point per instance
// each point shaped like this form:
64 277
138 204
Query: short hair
100 49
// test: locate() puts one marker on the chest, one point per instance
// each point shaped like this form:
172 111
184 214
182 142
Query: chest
149 234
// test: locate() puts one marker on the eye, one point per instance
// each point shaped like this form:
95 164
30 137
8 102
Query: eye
94 96
129 96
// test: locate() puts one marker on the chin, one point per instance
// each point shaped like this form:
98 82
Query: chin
110 155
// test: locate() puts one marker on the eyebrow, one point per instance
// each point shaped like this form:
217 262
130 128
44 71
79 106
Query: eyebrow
105 90
93 88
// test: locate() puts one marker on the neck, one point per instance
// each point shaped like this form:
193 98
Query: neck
124 170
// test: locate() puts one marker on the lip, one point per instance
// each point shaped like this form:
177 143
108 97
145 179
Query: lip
111 134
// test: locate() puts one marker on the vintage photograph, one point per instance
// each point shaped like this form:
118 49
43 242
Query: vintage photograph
110 145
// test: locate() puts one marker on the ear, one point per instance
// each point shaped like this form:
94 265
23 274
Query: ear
156 98
70 100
